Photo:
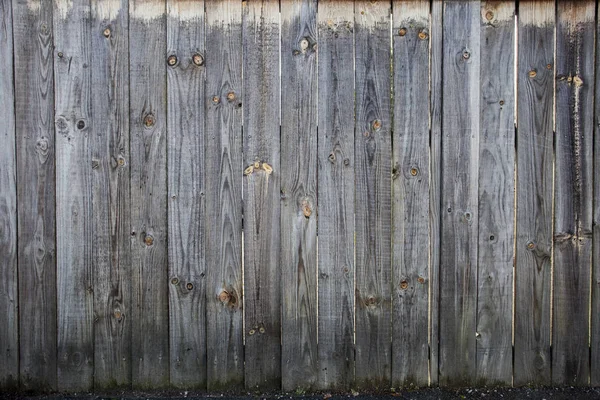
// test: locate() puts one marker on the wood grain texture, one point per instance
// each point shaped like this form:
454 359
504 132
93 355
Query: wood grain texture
110 194
460 166
373 174
148 130
36 206
299 185
74 229
336 195
435 185
186 177
573 191
595 303
410 201
262 209
9 318
534 192
496 194
224 196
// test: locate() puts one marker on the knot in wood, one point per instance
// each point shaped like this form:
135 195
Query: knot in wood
149 240
402 31
172 60
198 59
306 210
404 285
106 33
421 280
189 286
149 120
423 35
224 296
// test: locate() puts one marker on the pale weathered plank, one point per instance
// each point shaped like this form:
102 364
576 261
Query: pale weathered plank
336 194
460 166
573 191
148 125
299 185
496 194
262 268
595 304
223 164
535 86
410 202
435 185
110 194
34 122
74 234
9 329
373 172
186 171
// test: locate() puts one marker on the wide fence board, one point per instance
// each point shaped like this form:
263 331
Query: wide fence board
573 191
111 263
410 205
223 152
148 141
373 174
299 185
460 167
9 329
535 121
185 187
336 195
262 175
496 195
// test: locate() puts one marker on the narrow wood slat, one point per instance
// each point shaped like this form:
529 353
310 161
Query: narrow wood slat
148 121
373 174
223 155
573 191
111 249
36 193
595 303
410 202
74 234
460 166
299 187
186 177
535 121
9 329
261 186
336 195
496 194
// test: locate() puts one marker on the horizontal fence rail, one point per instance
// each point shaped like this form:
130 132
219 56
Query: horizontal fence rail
298 195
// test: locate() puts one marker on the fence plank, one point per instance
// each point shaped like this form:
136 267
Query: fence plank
110 194
261 195
9 329
595 304
460 165
496 195
534 192
573 193
185 176
435 186
336 195
148 121
299 185
73 195
224 198
373 194
34 122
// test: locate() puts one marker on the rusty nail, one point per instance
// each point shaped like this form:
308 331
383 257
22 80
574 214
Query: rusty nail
531 245
216 99
421 280
376 125
189 286
172 60
106 32
251 332
532 73
403 285
230 96
466 55
149 120
198 59
249 170
414 171
402 31
423 35
501 102
489 15
149 240
549 66
261 329
175 281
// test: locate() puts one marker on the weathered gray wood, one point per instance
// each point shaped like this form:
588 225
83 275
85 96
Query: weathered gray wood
299 186
573 191
74 229
535 121
410 202
34 122
262 175
148 122
9 329
186 171
496 194
110 194
460 166
223 154
373 172
336 195
595 303
435 185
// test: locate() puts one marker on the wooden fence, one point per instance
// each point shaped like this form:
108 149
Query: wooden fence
284 194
